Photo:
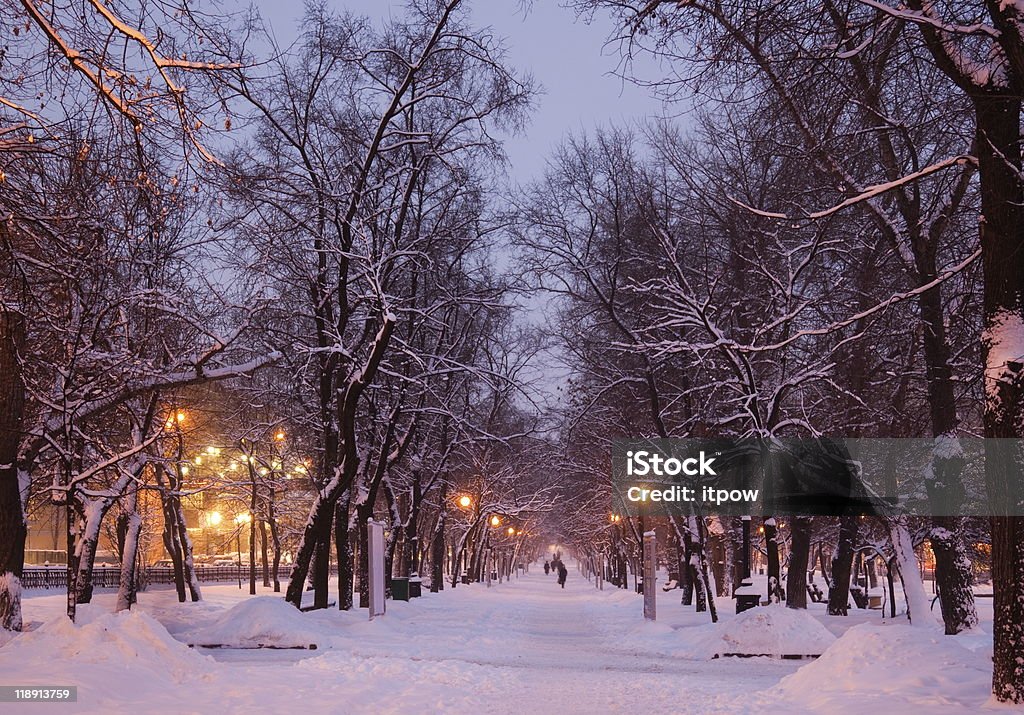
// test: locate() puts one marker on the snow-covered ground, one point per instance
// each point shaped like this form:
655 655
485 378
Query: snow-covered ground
523 646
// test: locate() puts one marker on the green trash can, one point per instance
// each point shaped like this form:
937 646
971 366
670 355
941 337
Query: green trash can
415 587
400 589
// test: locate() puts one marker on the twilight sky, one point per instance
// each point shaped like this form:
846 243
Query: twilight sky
567 57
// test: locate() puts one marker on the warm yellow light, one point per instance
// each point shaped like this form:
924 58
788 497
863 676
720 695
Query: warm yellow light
511 531
214 518
198 460
495 521
213 451
263 471
465 501
300 468
169 423
279 436
233 466
184 469
760 529
243 518
180 416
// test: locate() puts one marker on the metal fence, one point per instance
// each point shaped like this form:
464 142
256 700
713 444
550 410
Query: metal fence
104 576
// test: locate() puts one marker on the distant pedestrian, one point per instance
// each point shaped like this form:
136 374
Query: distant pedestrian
562 573
547 567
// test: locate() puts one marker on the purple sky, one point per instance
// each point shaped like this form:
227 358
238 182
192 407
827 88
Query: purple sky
567 57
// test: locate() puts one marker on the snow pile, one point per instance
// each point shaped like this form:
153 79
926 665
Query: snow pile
7 636
776 630
129 639
885 663
260 621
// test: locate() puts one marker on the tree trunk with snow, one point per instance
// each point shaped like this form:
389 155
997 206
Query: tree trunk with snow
87 541
918 606
1002 240
13 529
131 523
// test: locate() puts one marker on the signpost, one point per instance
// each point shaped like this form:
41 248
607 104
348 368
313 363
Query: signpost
375 554
650 569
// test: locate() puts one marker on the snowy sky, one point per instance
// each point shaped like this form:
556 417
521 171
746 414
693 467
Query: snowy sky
567 57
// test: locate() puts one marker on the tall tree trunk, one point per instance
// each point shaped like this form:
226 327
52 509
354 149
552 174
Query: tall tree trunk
944 482
264 554
1002 243
771 547
799 556
363 516
188 566
343 551
842 565
13 527
129 527
275 538
304 559
437 553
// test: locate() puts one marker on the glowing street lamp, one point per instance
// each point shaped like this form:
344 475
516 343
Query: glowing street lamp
495 521
511 531
213 518
279 436
465 501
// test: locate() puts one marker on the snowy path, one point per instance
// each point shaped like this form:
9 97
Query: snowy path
525 646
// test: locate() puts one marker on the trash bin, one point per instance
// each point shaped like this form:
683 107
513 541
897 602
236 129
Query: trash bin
465 579
400 589
415 587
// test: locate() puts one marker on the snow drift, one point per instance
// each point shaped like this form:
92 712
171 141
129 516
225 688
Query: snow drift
126 640
776 630
889 663
261 621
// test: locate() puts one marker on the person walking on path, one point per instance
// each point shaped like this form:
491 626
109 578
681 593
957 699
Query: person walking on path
547 567
562 573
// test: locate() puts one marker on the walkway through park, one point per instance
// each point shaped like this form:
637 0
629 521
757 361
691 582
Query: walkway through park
523 646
